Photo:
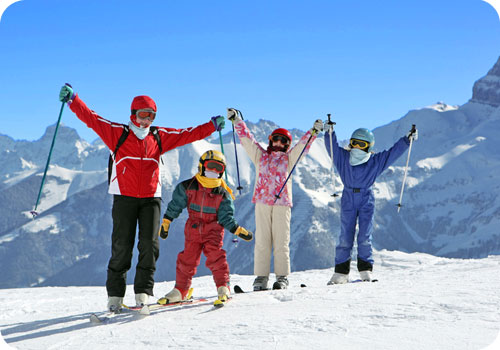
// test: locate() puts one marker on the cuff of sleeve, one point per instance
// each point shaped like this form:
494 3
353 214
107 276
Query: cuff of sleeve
70 100
168 217
233 230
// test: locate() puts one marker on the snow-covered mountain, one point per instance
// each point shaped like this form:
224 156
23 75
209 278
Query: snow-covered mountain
420 302
451 205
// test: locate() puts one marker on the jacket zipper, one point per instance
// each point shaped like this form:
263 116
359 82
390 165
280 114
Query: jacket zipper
201 211
142 163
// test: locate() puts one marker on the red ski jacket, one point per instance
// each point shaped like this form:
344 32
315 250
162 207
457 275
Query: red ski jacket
136 169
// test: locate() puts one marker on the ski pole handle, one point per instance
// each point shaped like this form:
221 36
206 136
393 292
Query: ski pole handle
330 123
222 150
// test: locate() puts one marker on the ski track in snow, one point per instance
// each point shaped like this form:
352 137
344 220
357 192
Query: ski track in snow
420 302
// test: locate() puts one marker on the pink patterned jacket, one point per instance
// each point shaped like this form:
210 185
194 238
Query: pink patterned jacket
272 168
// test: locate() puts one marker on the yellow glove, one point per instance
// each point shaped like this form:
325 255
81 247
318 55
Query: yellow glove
243 234
165 225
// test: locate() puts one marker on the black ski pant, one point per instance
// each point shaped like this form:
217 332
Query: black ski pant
127 212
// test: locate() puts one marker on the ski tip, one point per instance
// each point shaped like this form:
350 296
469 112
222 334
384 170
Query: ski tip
238 290
94 319
145 311
218 304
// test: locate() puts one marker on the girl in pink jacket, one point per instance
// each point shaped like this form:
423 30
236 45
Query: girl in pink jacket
272 217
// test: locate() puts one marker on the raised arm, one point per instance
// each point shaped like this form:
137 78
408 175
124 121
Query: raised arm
251 146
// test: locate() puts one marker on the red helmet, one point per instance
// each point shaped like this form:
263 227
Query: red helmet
141 102
284 132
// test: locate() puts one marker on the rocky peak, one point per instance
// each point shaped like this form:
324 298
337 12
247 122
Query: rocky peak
487 89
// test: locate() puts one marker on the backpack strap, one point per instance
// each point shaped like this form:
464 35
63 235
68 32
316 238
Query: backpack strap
154 130
120 142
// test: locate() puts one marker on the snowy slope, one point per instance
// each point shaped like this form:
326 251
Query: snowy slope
420 302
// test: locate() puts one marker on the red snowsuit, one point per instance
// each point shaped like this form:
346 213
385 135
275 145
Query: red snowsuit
210 211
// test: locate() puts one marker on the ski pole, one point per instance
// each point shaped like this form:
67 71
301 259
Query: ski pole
239 188
406 169
222 150
331 124
290 174
34 212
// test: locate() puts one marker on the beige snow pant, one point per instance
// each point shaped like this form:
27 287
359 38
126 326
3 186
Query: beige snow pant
272 230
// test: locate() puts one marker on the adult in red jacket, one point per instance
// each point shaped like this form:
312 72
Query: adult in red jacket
136 185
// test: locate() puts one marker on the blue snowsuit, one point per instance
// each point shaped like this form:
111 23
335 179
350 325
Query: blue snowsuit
358 202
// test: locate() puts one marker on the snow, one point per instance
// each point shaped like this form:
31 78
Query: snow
441 161
420 302
48 222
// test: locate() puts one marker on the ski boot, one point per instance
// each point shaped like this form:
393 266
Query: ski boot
141 299
338 278
281 282
260 283
115 304
174 296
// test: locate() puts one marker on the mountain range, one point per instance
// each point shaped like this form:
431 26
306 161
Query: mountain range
450 207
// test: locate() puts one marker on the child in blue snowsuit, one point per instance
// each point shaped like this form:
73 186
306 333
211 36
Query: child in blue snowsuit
358 168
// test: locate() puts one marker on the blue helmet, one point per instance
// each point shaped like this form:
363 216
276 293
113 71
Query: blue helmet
365 135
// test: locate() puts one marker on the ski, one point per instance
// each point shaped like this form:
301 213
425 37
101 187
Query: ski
359 280
239 290
103 318
220 303
146 309
352 281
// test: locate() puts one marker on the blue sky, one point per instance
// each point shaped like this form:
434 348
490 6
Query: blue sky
366 62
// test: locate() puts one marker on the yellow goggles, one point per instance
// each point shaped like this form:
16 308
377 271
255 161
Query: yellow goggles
361 144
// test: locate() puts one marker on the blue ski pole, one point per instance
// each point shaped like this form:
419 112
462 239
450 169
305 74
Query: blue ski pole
331 124
34 212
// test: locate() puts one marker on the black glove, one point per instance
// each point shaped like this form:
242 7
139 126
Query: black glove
413 133
329 125
165 225
244 234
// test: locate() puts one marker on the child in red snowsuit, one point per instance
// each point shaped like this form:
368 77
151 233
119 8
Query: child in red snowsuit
210 206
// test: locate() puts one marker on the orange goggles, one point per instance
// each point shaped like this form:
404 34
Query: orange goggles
361 144
146 113
214 165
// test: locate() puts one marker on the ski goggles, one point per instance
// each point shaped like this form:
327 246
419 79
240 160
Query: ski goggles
146 113
361 144
280 138
214 165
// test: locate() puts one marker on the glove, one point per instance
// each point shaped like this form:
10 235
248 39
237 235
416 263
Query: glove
165 225
413 134
219 122
66 93
318 126
232 115
329 125
244 234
